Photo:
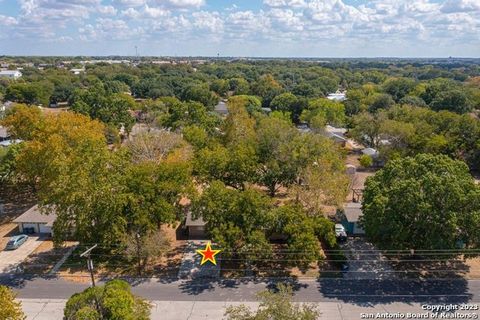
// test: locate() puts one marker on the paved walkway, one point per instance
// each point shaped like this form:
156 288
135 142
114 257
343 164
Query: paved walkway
38 309
365 262
190 267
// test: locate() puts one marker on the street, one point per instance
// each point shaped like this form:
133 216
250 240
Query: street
357 291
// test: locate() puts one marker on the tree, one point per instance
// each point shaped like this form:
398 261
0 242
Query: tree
398 87
276 305
276 169
288 102
239 86
267 88
366 161
97 103
366 128
324 111
238 221
451 100
22 121
153 146
142 247
380 102
251 103
112 301
427 203
9 308
200 93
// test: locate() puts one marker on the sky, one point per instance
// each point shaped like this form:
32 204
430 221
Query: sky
241 28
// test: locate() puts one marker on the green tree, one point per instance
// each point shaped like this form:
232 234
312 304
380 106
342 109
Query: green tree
398 87
366 161
267 88
451 100
324 111
427 202
237 220
276 305
200 93
366 128
276 168
288 102
239 86
9 308
112 301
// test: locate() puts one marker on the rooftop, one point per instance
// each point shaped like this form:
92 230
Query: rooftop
353 211
3 132
190 222
33 215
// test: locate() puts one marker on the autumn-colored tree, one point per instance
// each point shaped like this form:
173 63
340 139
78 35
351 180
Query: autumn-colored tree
9 308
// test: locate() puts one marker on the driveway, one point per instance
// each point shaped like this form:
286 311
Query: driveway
191 268
365 261
11 258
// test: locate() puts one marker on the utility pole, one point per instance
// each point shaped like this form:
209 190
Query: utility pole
86 254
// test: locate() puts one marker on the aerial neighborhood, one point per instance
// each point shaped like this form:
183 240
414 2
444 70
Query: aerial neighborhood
344 170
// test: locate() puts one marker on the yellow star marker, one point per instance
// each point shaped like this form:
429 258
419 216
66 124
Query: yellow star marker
208 254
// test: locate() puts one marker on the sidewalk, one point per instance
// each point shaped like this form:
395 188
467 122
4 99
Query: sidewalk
52 309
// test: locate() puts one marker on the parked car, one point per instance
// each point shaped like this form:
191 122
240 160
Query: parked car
16 241
340 232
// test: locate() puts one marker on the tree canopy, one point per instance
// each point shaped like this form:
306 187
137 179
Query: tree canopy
426 202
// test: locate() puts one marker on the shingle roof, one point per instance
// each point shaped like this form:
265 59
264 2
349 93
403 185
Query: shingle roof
3 132
190 222
353 211
33 215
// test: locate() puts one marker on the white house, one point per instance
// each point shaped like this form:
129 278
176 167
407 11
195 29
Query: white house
337 96
34 221
10 74
77 71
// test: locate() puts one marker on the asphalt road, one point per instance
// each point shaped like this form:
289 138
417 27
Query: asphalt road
324 290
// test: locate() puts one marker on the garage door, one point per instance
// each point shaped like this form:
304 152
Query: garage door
29 225
45 229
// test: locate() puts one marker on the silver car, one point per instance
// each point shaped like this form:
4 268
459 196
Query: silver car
16 241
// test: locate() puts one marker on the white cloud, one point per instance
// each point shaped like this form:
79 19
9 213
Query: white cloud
152 12
107 10
450 6
7 21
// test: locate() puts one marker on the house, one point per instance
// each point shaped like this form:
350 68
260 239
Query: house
8 143
370 152
221 108
195 227
77 71
34 221
4 135
10 74
337 96
350 217
336 134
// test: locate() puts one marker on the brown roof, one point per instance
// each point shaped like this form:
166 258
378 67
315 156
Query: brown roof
33 215
353 211
3 132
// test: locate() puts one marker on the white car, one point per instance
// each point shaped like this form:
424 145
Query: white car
340 232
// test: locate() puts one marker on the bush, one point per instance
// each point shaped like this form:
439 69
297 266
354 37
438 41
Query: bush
366 161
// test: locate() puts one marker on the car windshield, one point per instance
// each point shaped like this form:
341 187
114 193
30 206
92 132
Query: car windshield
11 242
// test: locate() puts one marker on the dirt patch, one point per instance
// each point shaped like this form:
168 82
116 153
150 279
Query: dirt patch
45 256
15 200
115 263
